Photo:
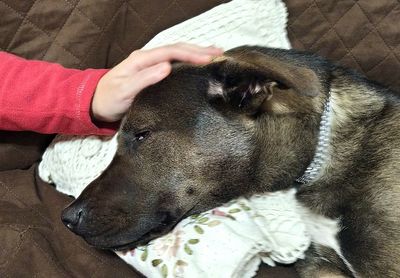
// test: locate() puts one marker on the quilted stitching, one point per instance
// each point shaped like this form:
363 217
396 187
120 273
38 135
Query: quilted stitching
65 22
88 33
33 30
363 34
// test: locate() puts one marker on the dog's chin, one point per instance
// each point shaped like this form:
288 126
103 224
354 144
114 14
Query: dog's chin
119 243
125 242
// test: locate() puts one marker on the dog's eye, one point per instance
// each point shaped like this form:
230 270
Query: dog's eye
140 136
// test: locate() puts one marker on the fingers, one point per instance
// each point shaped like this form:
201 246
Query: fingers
149 76
210 50
181 52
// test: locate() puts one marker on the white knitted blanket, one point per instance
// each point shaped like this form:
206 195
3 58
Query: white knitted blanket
245 232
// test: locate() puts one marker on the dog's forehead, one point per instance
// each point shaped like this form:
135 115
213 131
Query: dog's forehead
180 96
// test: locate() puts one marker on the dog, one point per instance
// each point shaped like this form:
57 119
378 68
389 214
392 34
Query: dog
252 121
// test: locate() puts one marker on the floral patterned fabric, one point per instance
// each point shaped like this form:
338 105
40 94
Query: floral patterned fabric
229 241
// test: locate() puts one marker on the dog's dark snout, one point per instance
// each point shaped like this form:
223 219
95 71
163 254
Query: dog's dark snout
72 217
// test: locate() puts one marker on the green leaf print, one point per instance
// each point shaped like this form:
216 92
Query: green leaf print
198 229
188 250
181 263
164 271
194 241
213 223
156 262
235 210
144 255
244 207
203 220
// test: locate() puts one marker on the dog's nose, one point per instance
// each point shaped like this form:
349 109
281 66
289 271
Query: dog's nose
72 217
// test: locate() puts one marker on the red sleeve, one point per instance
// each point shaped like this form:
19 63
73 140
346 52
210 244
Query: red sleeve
47 98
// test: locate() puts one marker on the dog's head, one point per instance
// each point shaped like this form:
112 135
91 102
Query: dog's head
205 135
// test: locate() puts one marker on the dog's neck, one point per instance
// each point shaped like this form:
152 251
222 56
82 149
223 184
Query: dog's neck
314 170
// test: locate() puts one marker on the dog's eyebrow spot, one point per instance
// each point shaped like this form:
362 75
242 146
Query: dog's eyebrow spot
190 191
219 59
215 89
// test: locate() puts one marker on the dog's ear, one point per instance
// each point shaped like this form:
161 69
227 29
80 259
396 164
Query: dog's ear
257 83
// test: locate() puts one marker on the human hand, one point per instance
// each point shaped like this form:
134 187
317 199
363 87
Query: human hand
117 89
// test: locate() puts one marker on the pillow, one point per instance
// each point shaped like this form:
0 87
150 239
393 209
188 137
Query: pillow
228 241
72 162
239 22
264 228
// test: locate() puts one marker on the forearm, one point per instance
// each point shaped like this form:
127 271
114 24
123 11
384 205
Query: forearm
46 97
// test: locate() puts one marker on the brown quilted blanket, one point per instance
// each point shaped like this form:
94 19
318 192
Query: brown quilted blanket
362 34
88 33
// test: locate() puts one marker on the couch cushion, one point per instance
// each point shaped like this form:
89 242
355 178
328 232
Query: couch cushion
35 243
363 34
88 33
19 150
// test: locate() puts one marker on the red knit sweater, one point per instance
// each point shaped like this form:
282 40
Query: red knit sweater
47 98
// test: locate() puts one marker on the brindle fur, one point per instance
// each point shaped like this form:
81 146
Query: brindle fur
248 124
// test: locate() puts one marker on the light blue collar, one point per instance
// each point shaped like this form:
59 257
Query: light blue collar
322 151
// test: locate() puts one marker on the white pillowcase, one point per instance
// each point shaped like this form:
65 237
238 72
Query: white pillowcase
72 162
236 23
230 241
